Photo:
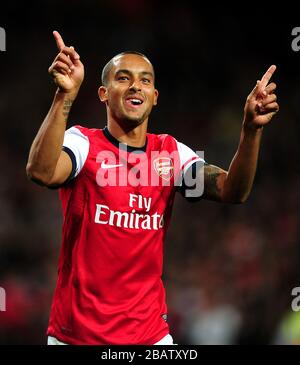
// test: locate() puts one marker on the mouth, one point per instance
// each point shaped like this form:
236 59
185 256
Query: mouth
134 101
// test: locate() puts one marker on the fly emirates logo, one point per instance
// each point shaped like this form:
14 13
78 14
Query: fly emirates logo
133 220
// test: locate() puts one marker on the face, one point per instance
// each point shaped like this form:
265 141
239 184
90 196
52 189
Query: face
130 93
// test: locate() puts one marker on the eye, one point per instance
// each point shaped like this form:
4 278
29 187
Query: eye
146 81
123 78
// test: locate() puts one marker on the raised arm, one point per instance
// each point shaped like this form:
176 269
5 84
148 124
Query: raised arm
47 164
234 185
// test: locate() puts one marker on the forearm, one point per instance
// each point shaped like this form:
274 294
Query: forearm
241 173
234 185
47 145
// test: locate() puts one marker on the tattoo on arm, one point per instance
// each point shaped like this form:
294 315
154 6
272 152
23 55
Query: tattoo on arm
214 178
66 108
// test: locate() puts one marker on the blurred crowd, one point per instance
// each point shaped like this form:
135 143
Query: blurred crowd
229 269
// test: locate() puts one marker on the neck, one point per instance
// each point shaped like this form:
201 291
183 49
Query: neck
132 136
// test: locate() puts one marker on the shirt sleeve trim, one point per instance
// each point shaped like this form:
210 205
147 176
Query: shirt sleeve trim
73 160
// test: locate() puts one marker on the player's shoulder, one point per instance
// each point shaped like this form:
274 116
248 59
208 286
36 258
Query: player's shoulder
163 141
88 132
161 138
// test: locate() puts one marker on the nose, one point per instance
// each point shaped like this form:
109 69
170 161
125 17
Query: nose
135 86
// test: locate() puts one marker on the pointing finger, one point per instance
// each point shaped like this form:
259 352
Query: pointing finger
267 76
255 90
59 41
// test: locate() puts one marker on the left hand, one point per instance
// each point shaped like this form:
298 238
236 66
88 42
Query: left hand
261 104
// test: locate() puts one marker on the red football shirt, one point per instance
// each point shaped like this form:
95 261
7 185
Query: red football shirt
116 207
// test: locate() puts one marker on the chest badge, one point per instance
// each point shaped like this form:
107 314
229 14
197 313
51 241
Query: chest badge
164 167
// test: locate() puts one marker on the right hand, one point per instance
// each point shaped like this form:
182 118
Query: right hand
261 104
67 70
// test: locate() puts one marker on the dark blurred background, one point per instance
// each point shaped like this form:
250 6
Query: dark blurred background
229 270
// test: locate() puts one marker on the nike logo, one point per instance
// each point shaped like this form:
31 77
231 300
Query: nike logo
105 166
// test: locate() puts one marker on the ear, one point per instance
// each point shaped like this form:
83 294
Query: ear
102 92
155 97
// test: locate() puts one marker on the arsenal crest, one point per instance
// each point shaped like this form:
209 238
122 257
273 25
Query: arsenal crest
164 167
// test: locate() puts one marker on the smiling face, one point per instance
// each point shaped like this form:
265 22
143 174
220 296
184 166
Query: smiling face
129 92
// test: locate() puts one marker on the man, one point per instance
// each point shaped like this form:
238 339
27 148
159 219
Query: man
117 187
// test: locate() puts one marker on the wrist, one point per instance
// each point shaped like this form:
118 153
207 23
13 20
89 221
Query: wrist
251 128
63 102
66 95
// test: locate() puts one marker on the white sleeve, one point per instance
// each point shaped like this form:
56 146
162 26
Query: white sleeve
188 156
79 145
